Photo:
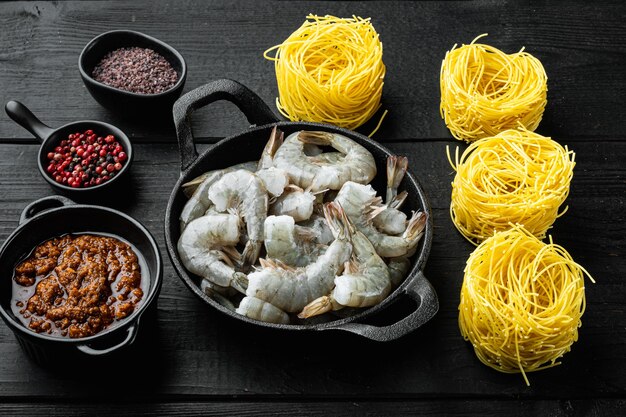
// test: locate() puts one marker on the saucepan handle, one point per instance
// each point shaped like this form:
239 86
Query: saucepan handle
43 204
424 295
25 118
131 334
251 105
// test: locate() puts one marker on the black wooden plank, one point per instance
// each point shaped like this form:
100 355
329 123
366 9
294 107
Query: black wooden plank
582 47
194 351
457 408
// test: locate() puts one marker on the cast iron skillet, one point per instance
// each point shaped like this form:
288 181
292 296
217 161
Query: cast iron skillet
54 216
247 146
50 139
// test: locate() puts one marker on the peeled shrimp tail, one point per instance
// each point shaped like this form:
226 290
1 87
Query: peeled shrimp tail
251 253
396 168
274 142
339 224
257 309
415 229
398 201
318 306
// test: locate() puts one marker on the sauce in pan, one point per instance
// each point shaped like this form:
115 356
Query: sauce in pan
78 285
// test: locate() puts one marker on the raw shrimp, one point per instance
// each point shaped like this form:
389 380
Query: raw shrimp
206 248
318 225
358 164
295 202
360 204
289 243
199 202
190 186
274 179
398 268
290 289
328 158
391 220
257 309
364 283
243 191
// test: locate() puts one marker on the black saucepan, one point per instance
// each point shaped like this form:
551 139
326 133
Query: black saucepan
55 216
247 146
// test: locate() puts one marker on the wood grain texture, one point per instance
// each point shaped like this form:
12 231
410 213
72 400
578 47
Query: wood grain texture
582 47
191 360
456 408
195 351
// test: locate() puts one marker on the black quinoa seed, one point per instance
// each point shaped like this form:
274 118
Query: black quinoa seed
138 70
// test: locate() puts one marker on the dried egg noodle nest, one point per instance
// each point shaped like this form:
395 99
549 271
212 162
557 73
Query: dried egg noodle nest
521 302
330 70
485 91
514 177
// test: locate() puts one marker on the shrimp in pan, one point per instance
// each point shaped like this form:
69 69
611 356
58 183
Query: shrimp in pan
206 248
289 243
313 172
257 309
243 192
391 220
191 186
365 281
289 288
294 202
274 179
360 202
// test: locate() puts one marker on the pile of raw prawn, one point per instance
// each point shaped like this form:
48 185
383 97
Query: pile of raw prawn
329 241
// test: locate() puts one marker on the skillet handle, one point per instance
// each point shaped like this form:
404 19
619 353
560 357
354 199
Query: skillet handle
250 104
25 118
43 204
422 292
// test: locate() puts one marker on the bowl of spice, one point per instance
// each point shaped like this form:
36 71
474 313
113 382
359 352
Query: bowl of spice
132 73
80 157
75 280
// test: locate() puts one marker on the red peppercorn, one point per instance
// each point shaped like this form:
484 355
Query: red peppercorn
83 159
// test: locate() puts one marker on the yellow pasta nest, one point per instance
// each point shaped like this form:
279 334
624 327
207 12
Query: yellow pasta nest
514 177
330 70
485 91
521 302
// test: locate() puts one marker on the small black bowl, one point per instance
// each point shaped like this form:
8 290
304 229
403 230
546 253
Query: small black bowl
50 139
125 102
55 216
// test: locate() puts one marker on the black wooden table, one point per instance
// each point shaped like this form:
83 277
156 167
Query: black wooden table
191 359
